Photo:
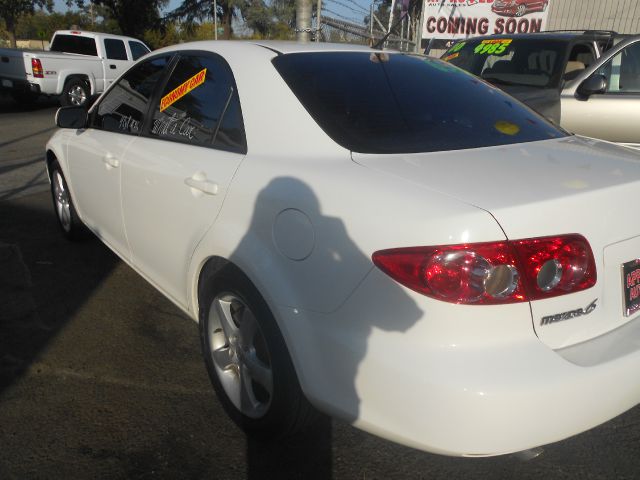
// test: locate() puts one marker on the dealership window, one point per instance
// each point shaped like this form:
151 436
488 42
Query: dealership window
123 106
199 105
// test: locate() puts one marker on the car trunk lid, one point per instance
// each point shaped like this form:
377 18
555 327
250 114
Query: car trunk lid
547 188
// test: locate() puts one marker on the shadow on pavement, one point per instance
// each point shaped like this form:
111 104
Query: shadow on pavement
9 105
38 267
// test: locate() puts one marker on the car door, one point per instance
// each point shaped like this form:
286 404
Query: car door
95 154
176 175
117 61
614 114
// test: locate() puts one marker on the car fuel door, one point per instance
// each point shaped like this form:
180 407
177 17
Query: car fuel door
176 176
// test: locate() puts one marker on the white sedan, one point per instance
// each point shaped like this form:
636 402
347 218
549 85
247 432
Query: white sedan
379 236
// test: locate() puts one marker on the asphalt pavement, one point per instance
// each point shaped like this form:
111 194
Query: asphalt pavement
101 376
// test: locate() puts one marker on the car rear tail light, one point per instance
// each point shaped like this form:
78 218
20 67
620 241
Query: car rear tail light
36 68
495 272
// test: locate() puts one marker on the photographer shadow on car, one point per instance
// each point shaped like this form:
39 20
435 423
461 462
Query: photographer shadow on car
308 340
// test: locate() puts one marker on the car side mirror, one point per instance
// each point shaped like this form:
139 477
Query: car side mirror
72 117
592 85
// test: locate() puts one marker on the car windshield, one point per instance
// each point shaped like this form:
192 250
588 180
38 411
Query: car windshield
398 103
511 61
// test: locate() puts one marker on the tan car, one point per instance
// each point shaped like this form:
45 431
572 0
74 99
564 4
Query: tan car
587 82
603 101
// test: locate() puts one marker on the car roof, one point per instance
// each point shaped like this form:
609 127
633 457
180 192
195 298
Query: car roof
278 47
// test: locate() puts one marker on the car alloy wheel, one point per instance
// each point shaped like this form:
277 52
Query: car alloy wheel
62 201
240 355
247 358
522 9
71 225
77 95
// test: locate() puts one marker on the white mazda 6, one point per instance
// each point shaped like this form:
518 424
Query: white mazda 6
378 236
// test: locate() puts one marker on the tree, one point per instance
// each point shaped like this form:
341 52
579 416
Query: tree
133 16
11 10
192 11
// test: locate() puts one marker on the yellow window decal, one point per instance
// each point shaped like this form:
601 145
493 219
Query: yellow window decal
451 57
493 46
507 128
181 90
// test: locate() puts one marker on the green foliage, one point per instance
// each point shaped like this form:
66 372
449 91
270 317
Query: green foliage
163 36
12 10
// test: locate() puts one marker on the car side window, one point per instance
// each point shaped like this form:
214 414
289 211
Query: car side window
199 105
623 70
137 49
115 49
123 108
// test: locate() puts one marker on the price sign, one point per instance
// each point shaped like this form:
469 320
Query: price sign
493 47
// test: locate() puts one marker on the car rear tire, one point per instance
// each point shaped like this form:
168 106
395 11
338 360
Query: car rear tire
76 93
70 224
247 359
521 10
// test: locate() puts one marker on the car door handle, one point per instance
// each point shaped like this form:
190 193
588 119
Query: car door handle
199 182
112 67
111 161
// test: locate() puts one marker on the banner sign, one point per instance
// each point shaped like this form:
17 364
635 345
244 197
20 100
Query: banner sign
456 19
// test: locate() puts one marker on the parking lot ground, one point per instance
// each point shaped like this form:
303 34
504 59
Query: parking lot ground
101 377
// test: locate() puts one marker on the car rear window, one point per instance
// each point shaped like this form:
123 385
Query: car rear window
399 103
74 44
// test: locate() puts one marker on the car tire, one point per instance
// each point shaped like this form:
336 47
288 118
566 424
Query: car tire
247 359
75 93
521 10
70 224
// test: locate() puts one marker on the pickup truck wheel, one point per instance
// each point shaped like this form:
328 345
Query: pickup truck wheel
75 93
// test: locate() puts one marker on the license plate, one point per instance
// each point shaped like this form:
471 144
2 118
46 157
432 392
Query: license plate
631 286
7 83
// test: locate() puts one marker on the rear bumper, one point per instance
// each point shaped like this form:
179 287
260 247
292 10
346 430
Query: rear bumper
18 86
455 380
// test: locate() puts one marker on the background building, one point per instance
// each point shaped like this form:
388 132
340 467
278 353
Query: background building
622 16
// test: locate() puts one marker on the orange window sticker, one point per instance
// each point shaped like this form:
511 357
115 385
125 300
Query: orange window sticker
451 57
182 89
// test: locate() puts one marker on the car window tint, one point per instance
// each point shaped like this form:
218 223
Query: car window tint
137 50
122 109
200 105
396 103
623 71
115 49
74 44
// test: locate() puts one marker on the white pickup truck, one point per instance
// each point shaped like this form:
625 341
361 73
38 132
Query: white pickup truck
78 65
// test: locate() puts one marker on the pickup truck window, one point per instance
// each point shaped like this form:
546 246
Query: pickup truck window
74 44
115 49
137 49
122 108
